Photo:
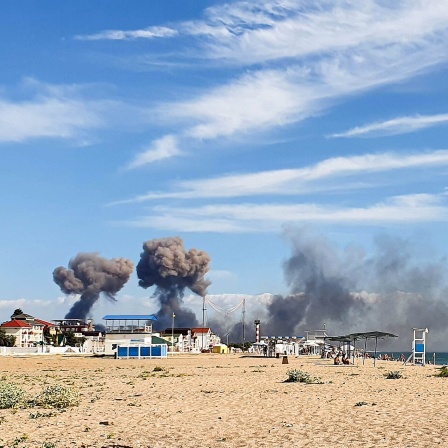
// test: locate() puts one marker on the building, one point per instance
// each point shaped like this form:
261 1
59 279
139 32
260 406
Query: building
126 330
28 331
204 339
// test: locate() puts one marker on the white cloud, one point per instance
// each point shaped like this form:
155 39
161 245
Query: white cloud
249 217
322 51
51 111
160 149
269 30
146 33
299 180
400 125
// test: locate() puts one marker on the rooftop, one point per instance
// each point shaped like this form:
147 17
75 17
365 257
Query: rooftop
15 324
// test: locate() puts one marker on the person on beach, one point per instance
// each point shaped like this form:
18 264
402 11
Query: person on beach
337 360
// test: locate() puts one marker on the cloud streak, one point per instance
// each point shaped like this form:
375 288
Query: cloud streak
160 149
299 180
396 126
251 217
343 50
51 112
146 33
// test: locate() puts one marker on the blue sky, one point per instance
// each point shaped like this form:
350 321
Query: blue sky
225 123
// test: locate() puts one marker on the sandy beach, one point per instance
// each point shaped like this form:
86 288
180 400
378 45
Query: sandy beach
212 400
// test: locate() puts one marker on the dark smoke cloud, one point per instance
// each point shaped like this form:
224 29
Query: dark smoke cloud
392 290
166 264
90 275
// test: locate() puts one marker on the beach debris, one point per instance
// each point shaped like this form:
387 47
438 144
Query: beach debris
443 372
361 403
90 275
106 423
166 264
298 376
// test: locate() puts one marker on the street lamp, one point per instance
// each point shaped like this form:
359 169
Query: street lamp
172 335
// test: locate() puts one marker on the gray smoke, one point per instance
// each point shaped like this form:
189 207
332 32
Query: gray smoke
330 286
166 264
90 275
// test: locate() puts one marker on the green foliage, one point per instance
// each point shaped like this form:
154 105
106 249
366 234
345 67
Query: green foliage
158 369
18 440
394 375
297 376
56 396
71 340
48 445
443 372
38 414
17 312
6 340
11 396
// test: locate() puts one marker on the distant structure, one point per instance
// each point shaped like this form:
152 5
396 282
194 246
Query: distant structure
257 330
418 354
131 336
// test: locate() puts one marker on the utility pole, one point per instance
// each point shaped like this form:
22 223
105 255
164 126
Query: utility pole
172 335
244 318
203 321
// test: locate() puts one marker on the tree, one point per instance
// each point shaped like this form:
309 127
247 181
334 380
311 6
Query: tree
6 340
17 312
71 340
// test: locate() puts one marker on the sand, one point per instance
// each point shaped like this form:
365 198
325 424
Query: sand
213 400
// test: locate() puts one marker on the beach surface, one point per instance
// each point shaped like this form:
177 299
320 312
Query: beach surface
213 400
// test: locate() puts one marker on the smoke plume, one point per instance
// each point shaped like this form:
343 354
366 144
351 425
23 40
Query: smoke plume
90 275
391 290
166 264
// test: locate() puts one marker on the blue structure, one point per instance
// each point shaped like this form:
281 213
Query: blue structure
142 351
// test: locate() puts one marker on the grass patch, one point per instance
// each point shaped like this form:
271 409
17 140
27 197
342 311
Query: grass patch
297 376
393 375
12 396
443 372
57 396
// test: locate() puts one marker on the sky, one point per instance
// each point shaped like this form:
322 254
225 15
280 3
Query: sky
234 125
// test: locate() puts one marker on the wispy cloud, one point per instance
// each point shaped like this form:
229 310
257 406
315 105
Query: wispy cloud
299 180
146 33
400 125
160 149
54 111
50 116
299 58
249 217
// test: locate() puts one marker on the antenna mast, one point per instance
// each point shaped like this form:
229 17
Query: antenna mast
203 320
244 317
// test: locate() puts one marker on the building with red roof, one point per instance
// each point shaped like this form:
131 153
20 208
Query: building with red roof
27 332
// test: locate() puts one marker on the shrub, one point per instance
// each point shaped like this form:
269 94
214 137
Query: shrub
394 375
57 396
297 376
11 396
443 372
